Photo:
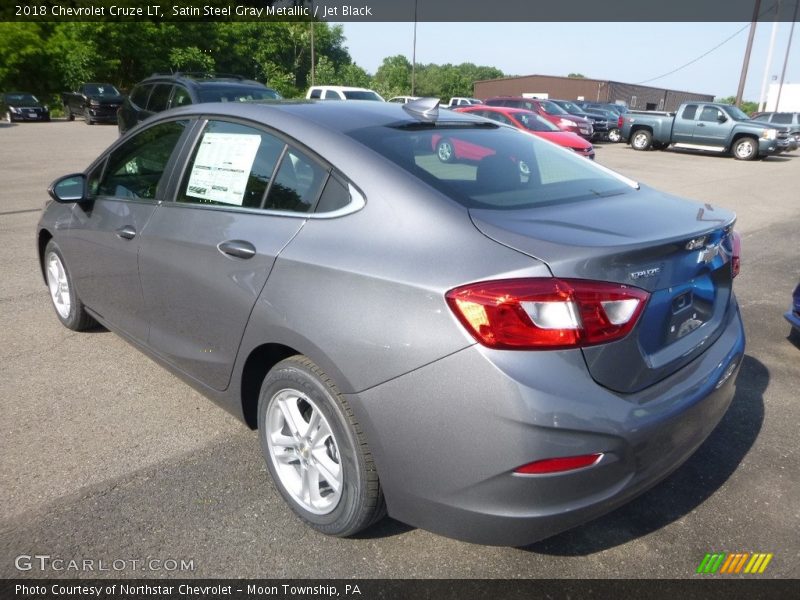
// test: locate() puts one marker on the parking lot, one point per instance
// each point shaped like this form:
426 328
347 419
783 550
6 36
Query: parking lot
106 456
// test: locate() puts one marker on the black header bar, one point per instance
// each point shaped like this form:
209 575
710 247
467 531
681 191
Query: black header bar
399 10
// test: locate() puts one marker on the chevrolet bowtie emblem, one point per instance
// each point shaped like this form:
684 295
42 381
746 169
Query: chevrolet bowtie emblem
708 253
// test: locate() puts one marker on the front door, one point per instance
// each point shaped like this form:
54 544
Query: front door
103 242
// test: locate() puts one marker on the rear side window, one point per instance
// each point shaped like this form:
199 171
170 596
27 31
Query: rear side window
140 94
159 97
335 195
689 112
316 93
297 185
782 118
135 168
232 165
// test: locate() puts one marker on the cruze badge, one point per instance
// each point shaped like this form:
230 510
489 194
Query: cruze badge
646 273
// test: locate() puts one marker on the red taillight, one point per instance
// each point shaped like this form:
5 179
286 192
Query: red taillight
558 465
620 122
736 253
546 314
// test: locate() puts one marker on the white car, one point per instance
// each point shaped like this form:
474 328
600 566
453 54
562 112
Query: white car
457 101
403 99
341 92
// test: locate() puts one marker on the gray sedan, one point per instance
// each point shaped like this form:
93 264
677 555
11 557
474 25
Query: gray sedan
495 348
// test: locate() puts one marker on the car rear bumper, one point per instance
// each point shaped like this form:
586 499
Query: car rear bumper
447 437
793 316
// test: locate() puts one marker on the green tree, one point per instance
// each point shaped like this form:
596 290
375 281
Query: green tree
576 76
747 106
191 58
24 64
393 77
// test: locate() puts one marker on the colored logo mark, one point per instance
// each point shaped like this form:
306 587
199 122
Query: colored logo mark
734 562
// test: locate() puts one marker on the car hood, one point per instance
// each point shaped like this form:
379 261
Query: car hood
564 138
107 99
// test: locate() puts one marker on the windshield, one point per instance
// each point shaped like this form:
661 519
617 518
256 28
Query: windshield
736 113
237 93
21 99
481 165
534 122
361 95
101 89
551 108
572 108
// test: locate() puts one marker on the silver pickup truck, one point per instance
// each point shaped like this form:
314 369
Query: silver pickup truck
704 126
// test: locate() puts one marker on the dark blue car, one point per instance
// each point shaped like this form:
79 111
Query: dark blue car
793 314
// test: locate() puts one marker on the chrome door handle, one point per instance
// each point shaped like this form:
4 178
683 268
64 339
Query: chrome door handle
127 232
237 248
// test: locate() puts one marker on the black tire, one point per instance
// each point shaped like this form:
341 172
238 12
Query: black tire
87 117
445 151
298 382
77 319
641 139
745 148
68 113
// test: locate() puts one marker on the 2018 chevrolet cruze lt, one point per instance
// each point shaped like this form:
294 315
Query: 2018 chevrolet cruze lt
490 352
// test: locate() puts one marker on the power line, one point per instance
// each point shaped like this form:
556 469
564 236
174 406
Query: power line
722 43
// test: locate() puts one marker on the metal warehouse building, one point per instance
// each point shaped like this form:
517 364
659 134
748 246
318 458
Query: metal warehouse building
640 97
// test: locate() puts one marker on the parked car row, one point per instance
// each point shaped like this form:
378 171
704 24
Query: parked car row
583 324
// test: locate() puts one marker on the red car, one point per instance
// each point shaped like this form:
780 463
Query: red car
550 111
533 123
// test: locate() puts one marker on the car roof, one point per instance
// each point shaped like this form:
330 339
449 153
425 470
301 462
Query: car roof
333 116
340 88
201 80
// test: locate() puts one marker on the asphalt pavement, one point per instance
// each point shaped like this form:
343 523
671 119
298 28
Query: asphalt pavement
105 456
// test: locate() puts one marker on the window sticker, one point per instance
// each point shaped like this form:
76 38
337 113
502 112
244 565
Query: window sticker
222 167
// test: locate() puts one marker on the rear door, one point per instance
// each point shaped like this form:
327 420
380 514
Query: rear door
683 128
243 195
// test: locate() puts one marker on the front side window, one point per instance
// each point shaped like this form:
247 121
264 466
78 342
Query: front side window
134 169
232 165
140 94
710 114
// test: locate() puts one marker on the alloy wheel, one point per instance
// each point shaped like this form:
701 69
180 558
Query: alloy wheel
58 285
304 451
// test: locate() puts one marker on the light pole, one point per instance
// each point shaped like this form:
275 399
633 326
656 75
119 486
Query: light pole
786 60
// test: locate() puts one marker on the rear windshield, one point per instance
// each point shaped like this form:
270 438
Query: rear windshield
237 93
361 95
482 165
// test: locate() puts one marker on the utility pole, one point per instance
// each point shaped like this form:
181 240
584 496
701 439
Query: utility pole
414 54
786 60
313 62
746 62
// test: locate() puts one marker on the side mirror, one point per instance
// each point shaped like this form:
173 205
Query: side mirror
70 188
721 118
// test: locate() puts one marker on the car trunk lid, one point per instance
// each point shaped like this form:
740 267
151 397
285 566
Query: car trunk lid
678 251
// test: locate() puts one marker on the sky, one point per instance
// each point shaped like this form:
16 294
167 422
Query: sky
626 52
